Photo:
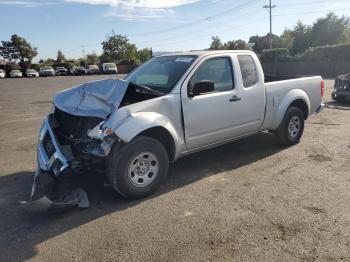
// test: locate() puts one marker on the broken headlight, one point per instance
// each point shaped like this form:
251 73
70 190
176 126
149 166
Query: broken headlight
102 140
100 132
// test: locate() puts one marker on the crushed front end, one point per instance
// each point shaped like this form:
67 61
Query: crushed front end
65 153
76 137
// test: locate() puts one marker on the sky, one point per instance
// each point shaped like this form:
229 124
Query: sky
163 25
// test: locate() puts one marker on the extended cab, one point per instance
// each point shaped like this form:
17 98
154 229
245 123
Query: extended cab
169 107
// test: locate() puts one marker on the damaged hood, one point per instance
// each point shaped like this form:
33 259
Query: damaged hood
97 98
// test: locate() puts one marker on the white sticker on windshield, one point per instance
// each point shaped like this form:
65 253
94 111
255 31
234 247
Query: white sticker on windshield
184 59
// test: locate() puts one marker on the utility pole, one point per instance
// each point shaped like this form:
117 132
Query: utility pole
270 6
83 49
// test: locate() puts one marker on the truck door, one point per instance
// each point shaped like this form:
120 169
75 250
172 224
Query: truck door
251 83
220 115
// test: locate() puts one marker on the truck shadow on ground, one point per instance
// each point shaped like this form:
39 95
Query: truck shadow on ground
21 231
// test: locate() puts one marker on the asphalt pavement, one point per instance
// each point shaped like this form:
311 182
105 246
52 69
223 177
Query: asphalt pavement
249 200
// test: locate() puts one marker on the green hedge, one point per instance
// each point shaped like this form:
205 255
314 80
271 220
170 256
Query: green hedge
276 55
330 53
130 62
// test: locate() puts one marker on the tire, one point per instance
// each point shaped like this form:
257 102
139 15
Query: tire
292 127
138 168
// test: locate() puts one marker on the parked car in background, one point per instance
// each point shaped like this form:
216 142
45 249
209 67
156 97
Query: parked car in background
109 68
47 71
93 70
15 73
2 73
61 71
32 73
81 71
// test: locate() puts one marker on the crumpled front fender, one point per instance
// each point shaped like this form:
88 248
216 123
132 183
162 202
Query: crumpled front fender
141 121
132 125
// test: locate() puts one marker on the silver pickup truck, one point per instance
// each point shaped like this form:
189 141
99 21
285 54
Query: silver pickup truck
167 108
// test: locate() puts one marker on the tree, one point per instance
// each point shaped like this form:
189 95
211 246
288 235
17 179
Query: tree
287 38
302 38
82 62
60 57
144 54
92 59
237 45
216 43
18 49
118 47
330 30
49 62
259 43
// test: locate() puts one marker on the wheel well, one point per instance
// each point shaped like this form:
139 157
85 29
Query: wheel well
163 136
302 106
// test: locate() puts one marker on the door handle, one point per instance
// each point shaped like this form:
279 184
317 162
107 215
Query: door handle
235 98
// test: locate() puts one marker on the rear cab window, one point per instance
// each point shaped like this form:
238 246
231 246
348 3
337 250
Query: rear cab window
248 70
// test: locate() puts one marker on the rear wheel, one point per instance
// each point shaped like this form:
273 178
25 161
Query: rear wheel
138 168
292 127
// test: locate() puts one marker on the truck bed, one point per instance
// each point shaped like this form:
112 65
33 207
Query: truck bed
274 78
277 93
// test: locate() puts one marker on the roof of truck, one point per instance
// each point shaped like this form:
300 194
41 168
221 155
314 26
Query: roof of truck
202 53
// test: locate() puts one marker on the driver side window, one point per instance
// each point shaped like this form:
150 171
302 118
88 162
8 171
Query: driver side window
218 70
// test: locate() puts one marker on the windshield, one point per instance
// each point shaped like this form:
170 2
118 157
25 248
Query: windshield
31 71
162 73
16 71
48 68
110 66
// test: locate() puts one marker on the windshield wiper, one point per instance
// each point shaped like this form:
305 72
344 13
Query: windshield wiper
158 93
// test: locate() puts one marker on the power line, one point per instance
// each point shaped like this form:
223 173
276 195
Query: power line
187 33
303 3
190 32
186 39
208 18
239 26
313 12
270 6
205 34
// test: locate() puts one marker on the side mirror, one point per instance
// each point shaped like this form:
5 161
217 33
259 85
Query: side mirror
204 86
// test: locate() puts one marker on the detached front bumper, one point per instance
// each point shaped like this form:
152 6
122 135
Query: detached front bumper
45 196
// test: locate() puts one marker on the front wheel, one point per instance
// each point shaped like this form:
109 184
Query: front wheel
292 127
138 168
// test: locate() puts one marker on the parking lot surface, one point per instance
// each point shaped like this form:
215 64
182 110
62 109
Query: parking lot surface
249 200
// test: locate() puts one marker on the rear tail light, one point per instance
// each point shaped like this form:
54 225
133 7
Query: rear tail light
322 88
